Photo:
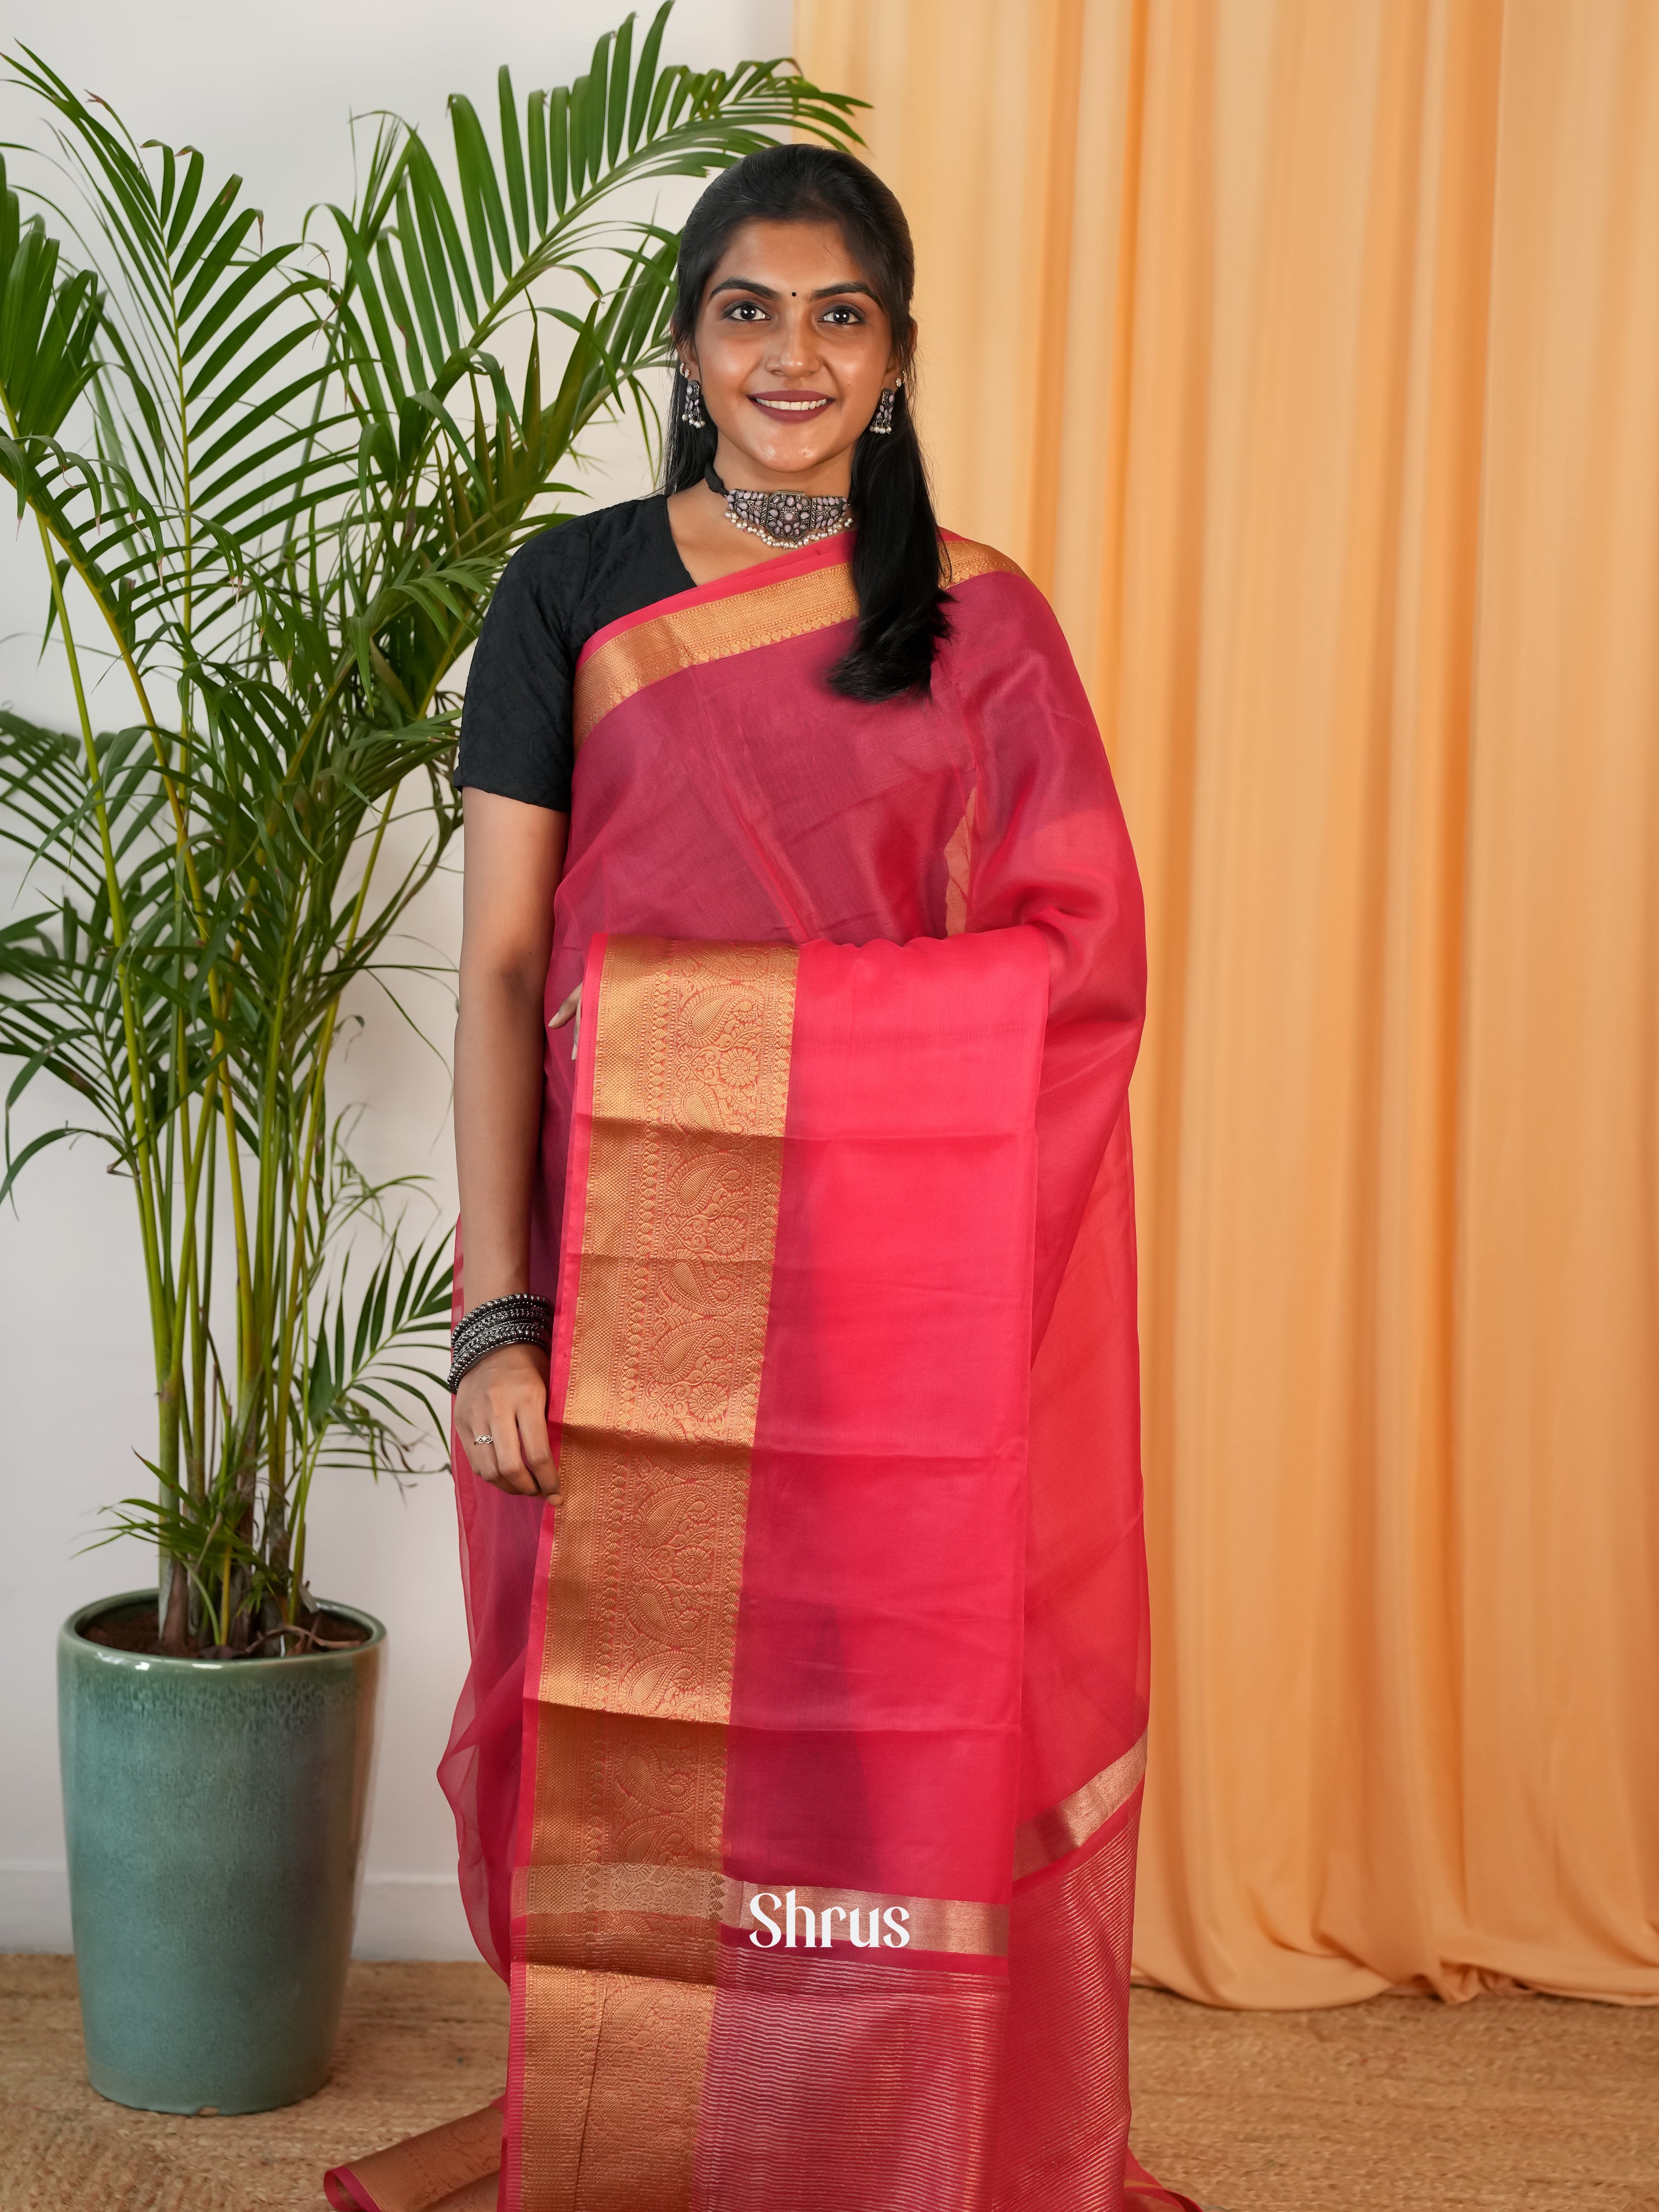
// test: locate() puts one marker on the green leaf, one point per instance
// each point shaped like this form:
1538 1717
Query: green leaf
441 237
616 117
595 101
535 123
403 315
576 122
480 195
513 163
558 146
48 329
169 167
644 76
16 1162
187 195
370 361
409 240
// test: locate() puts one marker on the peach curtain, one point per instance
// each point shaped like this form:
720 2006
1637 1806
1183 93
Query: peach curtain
1307 352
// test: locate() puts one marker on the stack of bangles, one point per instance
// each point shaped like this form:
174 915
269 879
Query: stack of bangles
518 1318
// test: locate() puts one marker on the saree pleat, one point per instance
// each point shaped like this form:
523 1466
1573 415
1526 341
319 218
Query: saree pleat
799 1773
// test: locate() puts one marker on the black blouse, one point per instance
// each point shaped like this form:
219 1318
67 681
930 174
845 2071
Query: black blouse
555 592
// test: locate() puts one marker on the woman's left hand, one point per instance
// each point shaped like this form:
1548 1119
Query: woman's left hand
501 1416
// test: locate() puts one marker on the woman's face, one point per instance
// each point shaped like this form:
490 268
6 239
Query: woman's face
792 349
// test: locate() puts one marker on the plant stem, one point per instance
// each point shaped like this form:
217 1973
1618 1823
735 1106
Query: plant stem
316 1115
218 1002
138 1062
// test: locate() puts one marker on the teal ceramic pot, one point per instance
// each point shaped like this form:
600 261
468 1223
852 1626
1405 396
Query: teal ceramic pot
216 1812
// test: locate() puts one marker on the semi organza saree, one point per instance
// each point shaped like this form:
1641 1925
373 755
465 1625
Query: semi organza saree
798 1770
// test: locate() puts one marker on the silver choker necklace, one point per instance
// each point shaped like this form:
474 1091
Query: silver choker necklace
783 517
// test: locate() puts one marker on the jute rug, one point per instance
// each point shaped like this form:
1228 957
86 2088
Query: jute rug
1495 2106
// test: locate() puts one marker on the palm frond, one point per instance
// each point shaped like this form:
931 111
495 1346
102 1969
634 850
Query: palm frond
285 475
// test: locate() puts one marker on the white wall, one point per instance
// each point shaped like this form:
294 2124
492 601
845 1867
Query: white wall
266 92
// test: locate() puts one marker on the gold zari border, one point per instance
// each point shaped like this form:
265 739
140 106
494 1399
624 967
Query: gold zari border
715 629
1038 1842
690 1086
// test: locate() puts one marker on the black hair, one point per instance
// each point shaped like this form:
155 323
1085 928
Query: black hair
896 546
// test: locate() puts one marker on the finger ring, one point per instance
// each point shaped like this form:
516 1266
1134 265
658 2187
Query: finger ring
483 1440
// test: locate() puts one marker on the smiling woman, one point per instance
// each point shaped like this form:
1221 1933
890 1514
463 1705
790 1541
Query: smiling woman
805 1284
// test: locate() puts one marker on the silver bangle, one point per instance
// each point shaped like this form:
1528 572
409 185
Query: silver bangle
520 1317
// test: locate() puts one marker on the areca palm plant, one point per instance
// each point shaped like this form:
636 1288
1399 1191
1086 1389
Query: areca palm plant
272 485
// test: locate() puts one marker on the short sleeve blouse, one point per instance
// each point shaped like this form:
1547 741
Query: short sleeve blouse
516 724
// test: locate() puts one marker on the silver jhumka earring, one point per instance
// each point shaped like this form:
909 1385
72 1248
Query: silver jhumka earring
691 412
882 421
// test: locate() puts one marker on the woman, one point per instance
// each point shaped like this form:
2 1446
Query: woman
797 1769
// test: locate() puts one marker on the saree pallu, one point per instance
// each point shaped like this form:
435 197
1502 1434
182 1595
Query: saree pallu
798 1767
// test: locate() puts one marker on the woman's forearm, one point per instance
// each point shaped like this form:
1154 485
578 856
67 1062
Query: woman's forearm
498 1104
514 854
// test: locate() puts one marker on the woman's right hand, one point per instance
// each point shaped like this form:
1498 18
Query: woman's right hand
501 1417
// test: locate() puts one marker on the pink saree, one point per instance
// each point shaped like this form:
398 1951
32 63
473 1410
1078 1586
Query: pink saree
798 1770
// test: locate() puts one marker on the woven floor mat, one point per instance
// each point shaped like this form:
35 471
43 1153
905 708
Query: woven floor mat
1506 2104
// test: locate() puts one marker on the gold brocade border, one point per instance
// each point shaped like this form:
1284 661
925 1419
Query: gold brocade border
712 629
962 559
1038 1842
690 1086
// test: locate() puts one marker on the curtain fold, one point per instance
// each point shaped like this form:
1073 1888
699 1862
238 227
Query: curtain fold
1307 353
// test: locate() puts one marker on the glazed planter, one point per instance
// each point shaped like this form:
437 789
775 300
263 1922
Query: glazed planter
215 1812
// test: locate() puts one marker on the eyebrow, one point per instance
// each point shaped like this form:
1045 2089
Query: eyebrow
769 292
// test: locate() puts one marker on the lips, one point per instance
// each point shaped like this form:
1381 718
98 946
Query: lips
792 406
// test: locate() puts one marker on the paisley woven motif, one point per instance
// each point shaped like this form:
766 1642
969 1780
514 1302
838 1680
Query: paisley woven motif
620 1898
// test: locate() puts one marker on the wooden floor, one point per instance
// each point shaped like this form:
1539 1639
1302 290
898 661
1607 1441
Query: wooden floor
1503 2103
